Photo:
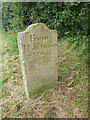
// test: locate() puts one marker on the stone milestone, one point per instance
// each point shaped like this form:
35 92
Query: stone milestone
38 56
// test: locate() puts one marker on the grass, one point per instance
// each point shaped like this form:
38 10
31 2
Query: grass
11 39
71 65
5 91
72 73
9 56
49 113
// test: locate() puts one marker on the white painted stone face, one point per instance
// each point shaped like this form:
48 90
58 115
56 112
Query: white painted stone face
38 55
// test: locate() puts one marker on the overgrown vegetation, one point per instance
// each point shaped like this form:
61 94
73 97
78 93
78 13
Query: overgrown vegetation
68 18
68 99
71 22
73 71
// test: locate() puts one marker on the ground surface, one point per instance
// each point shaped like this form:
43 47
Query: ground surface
58 102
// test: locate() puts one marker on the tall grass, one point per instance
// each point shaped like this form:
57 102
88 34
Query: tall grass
9 55
11 39
73 71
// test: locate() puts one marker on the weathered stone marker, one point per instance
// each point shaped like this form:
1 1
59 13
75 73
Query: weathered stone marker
38 55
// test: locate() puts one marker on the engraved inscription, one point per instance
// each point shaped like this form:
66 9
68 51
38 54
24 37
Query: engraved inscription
40 47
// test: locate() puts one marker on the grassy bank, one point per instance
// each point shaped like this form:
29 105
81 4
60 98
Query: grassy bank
73 73
72 83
